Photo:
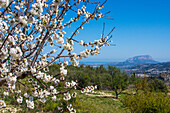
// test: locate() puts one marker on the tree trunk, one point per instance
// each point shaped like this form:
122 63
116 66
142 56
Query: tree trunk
116 94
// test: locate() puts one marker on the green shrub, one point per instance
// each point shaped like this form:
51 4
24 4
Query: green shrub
51 106
149 102
158 85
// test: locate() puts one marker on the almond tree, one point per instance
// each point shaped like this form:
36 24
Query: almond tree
119 80
32 36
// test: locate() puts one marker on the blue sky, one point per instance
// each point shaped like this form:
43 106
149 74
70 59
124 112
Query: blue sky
142 28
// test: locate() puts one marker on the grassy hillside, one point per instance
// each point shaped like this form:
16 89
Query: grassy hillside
100 102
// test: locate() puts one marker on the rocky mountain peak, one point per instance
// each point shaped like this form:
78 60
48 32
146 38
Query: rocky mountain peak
141 59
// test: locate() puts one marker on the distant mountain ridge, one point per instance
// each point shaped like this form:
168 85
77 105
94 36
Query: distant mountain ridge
142 59
139 65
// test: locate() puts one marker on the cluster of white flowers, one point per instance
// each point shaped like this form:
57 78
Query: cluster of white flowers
6 93
46 78
60 40
19 99
26 95
63 71
11 40
37 8
54 98
3 69
70 109
2 104
67 47
53 91
67 96
4 53
27 31
16 53
89 89
11 81
30 104
74 62
70 84
74 94
3 26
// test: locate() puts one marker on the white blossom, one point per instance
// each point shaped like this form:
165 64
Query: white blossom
46 93
2 104
63 71
6 93
19 99
60 40
54 98
12 79
23 20
67 96
67 84
69 107
54 92
47 78
73 83
43 100
16 53
30 104
68 47
33 70
74 94
35 94
39 75
26 95
17 7
81 42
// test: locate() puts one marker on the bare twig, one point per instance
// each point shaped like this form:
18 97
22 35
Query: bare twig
111 31
103 29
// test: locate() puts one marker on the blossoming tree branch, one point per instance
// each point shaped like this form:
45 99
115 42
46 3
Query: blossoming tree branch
29 28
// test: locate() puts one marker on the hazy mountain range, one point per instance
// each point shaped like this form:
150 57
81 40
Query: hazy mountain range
129 62
139 65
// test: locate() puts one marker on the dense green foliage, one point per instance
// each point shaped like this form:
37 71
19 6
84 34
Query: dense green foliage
106 79
119 81
149 102
148 97
110 78
157 85
152 84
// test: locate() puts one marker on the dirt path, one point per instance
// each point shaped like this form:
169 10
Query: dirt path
100 94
